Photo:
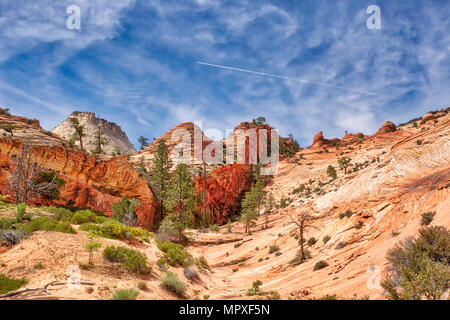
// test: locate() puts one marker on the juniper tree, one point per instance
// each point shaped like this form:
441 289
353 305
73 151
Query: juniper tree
78 131
344 163
160 175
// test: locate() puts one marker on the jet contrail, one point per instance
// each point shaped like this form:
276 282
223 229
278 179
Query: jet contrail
287 78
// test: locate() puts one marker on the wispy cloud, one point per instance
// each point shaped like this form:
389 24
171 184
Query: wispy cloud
306 66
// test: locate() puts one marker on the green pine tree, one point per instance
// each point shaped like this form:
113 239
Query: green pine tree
181 201
249 209
160 175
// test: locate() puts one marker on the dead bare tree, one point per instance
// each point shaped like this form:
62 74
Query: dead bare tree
303 222
29 178
44 288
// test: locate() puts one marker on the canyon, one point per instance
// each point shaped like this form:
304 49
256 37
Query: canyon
396 175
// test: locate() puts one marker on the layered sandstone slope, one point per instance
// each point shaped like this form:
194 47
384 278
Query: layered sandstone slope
113 135
47 256
400 174
91 182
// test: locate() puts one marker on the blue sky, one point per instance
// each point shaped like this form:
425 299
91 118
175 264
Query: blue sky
134 63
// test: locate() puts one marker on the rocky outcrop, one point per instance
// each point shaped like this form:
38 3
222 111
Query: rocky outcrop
387 127
432 116
225 187
115 138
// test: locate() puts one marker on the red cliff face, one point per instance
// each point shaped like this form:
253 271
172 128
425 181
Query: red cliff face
90 183
224 189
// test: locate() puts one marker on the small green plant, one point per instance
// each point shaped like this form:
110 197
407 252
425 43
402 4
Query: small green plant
312 241
347 214
92 246
132 260
10 284
125 294
172 283
341 245
21 213
38 266
427 218
202 263
142 286
273 295
214 228
299 258
228 226
320 265
326 239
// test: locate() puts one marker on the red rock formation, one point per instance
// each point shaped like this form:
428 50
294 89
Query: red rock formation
224 189
386 128
89 183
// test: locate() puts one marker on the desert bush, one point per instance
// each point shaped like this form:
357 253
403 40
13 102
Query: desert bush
312 241
142 286
347 214
427 217
60 214
214 228
132 260
125 294
172 283
255 289
202 263
48 224
10 284
419 268
113 229
320 265
326 239
341 245
273 295
273 248
125 211
86 216
175 254
21 213
11 237
190 273
299 257
6 223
